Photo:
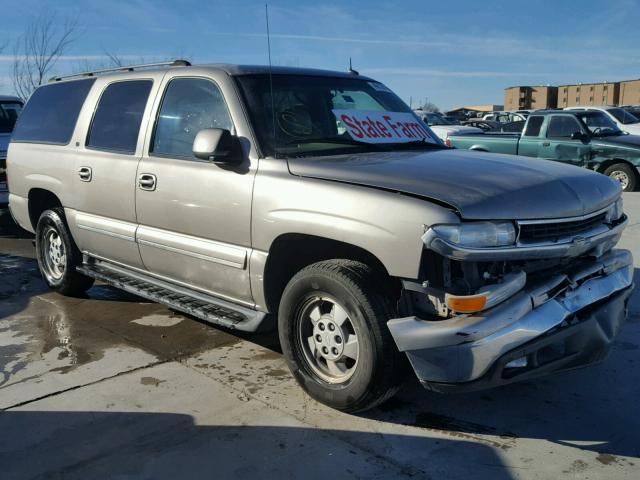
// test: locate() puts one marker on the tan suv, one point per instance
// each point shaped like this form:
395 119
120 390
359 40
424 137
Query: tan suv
233 192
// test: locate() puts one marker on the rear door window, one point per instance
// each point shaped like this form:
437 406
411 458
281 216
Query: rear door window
116 123
51 113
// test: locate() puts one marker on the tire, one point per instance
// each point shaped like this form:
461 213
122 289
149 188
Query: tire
625 174
323 294
58 256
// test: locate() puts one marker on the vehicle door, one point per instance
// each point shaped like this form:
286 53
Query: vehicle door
103 220
531 139
560 144
194 215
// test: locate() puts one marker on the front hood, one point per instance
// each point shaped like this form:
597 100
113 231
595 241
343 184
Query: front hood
480 186
623 140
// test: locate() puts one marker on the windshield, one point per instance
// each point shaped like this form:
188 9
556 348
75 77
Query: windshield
318 115
623 116
9 112
599 124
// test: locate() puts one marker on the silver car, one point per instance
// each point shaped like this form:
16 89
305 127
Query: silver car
243 194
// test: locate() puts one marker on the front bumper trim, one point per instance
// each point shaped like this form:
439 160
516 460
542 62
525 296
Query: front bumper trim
464 348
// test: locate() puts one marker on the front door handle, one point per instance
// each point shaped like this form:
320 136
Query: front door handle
85 174
147 181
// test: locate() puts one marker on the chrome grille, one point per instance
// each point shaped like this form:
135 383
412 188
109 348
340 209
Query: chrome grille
539 232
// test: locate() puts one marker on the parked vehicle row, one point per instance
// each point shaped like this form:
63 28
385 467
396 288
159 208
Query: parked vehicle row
495 127
584 138
443 127
233 192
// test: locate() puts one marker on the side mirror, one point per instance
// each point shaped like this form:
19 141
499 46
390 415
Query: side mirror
578 136
217 145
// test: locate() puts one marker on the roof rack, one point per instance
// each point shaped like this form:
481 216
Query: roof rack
127 68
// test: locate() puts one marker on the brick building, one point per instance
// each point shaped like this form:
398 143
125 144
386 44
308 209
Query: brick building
530 97
585 94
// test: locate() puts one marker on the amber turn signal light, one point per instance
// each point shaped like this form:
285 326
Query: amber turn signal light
466 304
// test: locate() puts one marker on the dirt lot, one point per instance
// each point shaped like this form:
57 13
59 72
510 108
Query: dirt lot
112 386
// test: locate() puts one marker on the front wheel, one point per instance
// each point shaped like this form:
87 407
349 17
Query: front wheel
625 174
58 255
333 332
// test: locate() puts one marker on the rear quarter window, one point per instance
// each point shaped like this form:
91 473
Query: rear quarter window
51 113
533 127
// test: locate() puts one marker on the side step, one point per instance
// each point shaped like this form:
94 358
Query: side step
205 307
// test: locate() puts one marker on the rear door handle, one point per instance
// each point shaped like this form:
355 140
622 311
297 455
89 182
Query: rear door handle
147 181
85 174
546 144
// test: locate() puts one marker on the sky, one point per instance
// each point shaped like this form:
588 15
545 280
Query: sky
455 53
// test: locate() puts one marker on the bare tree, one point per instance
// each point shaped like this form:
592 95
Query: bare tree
37 51
428 106
114 59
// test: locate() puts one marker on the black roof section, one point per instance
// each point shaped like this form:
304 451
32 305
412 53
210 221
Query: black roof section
237 70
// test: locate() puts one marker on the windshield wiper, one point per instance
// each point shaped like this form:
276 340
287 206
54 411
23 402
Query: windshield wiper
422 142
337 141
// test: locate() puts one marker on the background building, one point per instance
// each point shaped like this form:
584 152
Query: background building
474 110
583 94
530 97
630 92
626 92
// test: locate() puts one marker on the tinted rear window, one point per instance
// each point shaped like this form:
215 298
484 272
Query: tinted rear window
9 112
52 111
117 120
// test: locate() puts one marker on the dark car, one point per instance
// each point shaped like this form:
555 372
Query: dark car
10 108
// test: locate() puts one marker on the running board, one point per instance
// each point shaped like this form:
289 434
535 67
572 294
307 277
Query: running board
205 307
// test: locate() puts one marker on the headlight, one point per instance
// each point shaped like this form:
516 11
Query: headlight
478 234
615 212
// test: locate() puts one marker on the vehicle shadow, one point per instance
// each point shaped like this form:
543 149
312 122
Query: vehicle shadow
97 444
593 409
9 229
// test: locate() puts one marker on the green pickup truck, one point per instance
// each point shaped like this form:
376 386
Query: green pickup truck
583 138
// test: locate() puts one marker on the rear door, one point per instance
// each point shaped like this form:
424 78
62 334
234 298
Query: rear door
560 146
104 218
194 216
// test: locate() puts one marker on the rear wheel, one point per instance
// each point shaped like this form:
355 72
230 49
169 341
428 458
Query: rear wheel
625 174
58 256
332 327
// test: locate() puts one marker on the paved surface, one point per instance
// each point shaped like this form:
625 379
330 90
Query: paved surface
113 386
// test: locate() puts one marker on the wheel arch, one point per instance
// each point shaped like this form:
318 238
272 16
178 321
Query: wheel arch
291 252
608 163
39 200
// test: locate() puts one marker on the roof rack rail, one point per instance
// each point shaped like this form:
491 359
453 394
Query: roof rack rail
126 68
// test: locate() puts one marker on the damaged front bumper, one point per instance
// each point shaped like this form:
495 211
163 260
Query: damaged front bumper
566 322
